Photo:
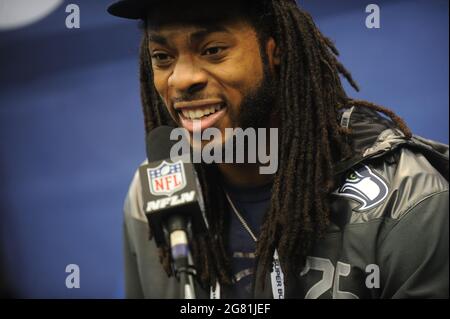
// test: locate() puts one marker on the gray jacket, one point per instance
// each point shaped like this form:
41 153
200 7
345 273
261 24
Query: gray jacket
389 232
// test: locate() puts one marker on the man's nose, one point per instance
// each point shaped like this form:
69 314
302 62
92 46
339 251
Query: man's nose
187 78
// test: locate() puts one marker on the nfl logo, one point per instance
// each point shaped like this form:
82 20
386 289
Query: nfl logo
167 178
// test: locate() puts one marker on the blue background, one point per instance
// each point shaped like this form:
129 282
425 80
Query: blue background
71 128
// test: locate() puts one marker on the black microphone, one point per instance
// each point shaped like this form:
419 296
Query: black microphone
173 201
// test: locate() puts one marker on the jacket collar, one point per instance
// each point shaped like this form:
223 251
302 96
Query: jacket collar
371 135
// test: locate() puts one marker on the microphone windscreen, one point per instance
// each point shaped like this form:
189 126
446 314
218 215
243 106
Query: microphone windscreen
159 143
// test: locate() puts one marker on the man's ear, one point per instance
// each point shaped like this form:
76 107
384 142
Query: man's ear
273 53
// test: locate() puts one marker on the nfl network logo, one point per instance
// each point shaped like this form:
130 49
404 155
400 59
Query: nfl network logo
167 178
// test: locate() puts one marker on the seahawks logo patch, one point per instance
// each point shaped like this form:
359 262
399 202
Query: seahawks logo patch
364 186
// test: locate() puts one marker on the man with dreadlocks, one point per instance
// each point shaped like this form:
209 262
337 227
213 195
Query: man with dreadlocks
358 207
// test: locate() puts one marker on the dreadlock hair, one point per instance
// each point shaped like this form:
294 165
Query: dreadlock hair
309 98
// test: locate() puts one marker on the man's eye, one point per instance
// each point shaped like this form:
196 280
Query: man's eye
213 50
161 57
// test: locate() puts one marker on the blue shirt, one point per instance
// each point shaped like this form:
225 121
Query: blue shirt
252 204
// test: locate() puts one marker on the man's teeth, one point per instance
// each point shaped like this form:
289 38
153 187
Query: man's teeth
198 114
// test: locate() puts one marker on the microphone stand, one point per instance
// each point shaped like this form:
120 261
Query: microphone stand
182 260
185 275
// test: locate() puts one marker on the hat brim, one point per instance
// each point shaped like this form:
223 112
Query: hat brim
139 9
131 9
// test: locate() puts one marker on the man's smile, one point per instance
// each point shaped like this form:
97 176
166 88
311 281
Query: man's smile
204 112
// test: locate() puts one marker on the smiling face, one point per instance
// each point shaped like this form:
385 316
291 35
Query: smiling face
212 73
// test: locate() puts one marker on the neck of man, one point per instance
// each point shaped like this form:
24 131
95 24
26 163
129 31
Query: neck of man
244 175
247 175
